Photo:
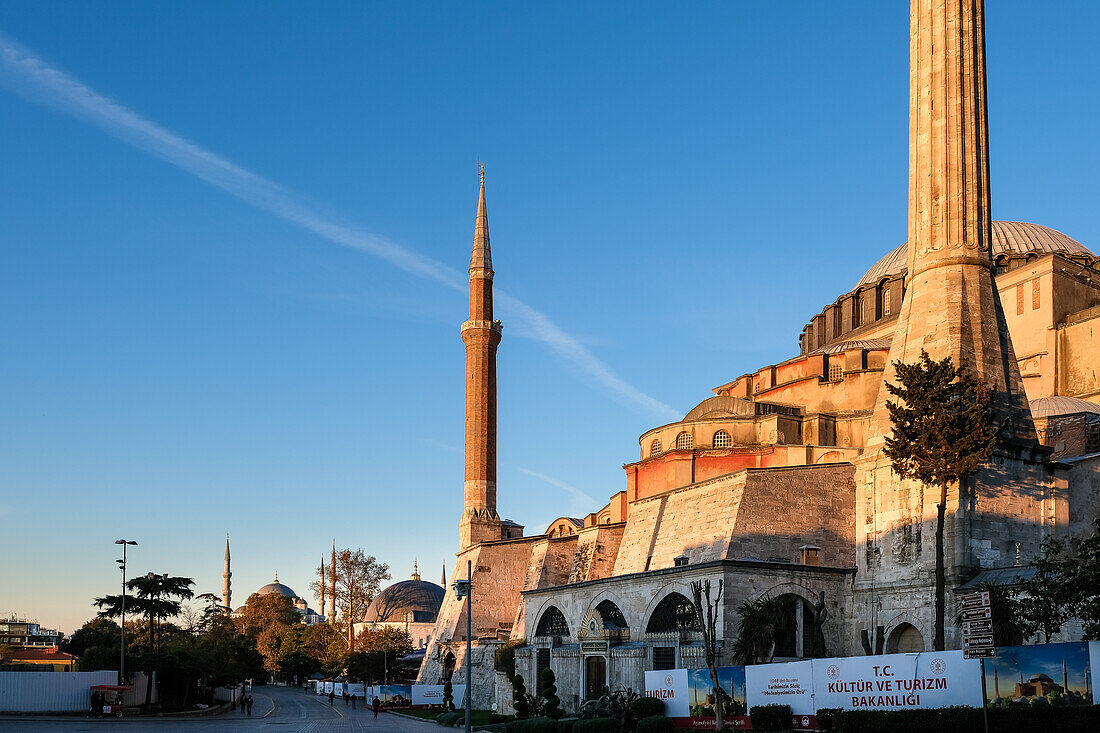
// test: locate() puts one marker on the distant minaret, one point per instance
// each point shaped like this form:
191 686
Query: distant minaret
322 584
996 683
332 586
481 334
443 580
1065 677
227 585
416 571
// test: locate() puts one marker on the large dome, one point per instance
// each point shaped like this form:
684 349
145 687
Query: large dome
277 587
1009 237
418 597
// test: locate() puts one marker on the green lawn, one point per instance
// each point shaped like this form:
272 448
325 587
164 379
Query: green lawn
479 717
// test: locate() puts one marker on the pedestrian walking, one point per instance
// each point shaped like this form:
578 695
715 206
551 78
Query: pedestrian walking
243 698
331 696
346 697
376 705
353 701
250 704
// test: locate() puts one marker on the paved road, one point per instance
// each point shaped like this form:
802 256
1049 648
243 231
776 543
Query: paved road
277 709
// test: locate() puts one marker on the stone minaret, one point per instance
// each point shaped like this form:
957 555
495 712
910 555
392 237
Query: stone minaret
481 334
332 586
443 579
322 585
950 308
227 585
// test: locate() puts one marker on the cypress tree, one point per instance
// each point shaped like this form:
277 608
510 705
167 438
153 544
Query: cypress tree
519 697
552 707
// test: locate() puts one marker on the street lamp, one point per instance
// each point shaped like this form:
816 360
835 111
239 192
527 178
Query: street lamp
122 651
464 589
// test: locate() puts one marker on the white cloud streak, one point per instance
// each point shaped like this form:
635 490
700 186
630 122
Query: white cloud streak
31 77
582 498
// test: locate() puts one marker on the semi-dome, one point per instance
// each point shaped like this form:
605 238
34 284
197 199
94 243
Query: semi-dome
1059 405
420 598
1009 238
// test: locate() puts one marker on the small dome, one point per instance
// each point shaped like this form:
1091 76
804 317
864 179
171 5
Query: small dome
279 588
1054 406
1009 237
419 597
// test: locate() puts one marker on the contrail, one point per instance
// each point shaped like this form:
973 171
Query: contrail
29 76
577 493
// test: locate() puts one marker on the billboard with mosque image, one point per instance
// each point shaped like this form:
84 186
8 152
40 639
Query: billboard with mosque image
1058 672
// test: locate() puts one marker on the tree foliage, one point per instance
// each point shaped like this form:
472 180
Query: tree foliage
358 579
943 431
551 708
760 626
519 697
1066 585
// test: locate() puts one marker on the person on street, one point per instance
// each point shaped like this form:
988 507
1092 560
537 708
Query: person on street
331 696
346 697
353 701
243 697
376 705
249 704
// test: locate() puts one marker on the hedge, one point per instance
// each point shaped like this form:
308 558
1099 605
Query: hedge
1013 719
565 725
655 724
771 717
644 707
450 719
596 725
532 725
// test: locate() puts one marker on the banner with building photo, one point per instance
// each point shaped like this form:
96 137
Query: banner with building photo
897 681
433 695
394 696
1058 672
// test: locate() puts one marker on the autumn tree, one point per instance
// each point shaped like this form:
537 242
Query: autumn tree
262 612
943 431
358 580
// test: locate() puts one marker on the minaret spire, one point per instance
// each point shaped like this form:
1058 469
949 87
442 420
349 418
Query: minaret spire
227 585
481 334
332 586
322 584
416 571
443 580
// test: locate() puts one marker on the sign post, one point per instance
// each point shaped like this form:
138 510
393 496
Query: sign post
977 616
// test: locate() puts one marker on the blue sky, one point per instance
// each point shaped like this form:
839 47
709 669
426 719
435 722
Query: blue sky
677 188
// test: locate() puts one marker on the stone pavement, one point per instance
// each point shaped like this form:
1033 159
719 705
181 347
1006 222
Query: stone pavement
276 709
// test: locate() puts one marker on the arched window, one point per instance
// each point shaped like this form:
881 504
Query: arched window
863 310
722 439
684 441
886 302
905 638
674 613
612 617
552 623
655 447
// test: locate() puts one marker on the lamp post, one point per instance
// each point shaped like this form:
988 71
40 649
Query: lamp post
122 650
464 589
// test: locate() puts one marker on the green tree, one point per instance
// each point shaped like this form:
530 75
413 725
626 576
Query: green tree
760 625
1066 585
448 696
98 631
552 707
519 697
327 644
943 431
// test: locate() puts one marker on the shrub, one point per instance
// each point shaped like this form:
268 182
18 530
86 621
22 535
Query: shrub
565 725
450 719
654 724
552 707
770 717
645 707
596 725
448 696
826 719
519 697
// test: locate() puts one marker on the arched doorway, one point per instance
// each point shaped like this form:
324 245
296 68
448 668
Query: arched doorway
904 638
595 677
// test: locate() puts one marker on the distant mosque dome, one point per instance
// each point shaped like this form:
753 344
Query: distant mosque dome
414 601
1059 405
309 616
1009 238
277 587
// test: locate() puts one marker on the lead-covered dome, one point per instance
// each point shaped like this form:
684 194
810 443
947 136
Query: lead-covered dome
1009 238
420 598
1060 405
279 588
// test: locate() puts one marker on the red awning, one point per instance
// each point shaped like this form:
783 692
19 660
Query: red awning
111 688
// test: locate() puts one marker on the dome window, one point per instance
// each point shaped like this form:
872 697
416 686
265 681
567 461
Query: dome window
655 448
684 441
886 302
722 439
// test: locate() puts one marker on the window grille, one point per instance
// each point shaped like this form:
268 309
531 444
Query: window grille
674 613
722 439
684 441
542 662
886 302
552 623
655 448
612 617
664 657
836 372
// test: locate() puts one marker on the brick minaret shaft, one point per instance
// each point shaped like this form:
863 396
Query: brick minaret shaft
227 585
481 334
951 306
